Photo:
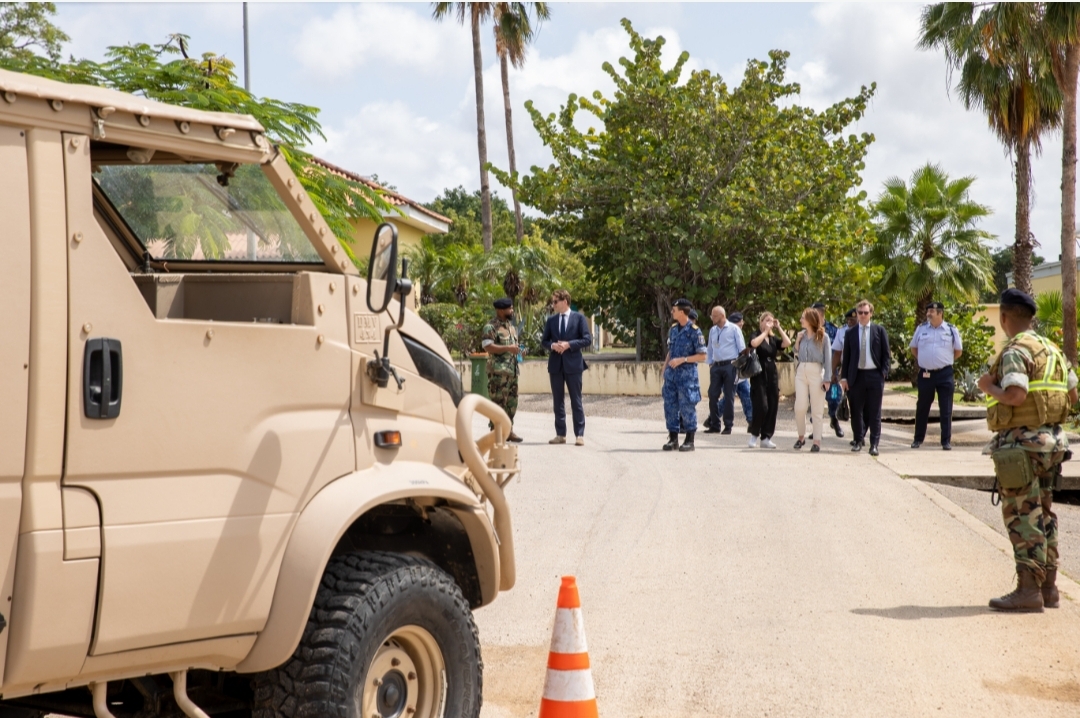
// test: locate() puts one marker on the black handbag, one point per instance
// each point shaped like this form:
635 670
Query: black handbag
843 409
747 364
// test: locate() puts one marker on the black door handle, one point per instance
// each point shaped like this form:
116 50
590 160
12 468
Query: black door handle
103 378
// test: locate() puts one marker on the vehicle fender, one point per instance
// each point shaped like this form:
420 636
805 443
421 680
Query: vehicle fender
320 527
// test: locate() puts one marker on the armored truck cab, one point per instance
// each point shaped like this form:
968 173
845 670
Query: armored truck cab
236 478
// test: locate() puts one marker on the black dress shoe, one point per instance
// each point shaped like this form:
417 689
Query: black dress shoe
873 450
856 446
836 427
946 446
711 430
852 442
727 430
916 444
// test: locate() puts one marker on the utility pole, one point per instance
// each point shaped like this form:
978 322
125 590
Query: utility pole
247 53
253 243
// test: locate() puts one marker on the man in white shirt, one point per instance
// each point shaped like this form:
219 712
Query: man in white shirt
725 343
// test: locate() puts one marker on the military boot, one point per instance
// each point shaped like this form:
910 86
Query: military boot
1026 597
688 445
1050 596
672 442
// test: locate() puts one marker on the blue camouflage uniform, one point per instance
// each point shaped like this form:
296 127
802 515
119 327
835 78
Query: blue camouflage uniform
681 390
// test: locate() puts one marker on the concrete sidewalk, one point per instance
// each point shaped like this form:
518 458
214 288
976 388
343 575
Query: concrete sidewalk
732 582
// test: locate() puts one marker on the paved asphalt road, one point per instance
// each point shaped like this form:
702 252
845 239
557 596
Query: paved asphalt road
740 582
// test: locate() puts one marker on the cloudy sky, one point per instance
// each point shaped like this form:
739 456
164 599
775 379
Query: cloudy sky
396 89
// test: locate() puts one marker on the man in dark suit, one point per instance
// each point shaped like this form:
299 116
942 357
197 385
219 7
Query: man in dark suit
566 333
863 370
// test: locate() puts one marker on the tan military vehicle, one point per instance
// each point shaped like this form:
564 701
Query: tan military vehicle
236 479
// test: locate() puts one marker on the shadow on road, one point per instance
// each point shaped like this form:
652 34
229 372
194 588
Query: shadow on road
914 613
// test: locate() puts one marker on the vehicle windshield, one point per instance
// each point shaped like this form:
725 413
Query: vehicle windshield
196 212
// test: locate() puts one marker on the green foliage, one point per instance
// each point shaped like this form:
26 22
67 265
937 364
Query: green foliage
733 196
1003 264
460 327
1051 314
166 73
927 240
976 334
26 26
463 209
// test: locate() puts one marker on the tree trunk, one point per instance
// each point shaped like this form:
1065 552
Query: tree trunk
1068 204
920 308
1024 241
481 134
519 227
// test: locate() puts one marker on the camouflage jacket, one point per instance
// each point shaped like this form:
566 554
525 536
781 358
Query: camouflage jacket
501 333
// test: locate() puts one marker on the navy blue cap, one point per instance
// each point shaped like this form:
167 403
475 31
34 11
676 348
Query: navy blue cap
817 305
1013 297
735 317
850 314
504 303
683 303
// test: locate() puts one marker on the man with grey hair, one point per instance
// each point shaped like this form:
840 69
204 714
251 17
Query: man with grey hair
725 344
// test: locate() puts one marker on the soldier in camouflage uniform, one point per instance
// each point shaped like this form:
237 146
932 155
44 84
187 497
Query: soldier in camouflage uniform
500 341
1029 389
682 390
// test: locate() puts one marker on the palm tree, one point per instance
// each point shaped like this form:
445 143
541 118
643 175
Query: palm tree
927 240
425 265
523 269
1062 32
513 33
476 13
1001 75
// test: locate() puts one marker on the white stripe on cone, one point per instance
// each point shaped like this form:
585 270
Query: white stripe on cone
569 685
568 635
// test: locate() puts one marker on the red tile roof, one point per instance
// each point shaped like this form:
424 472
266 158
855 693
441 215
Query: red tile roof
393 198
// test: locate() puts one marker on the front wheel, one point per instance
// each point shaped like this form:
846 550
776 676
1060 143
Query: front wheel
389 636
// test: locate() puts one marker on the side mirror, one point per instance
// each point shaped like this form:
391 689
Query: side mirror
382 268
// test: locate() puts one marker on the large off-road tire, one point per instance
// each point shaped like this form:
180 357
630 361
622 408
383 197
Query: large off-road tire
387 633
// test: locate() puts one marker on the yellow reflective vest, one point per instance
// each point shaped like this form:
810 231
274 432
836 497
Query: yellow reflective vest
1047 399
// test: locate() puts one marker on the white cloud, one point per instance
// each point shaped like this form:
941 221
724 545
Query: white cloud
381 36
419 155
913 117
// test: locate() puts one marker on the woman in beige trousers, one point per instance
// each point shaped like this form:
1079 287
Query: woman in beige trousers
811 376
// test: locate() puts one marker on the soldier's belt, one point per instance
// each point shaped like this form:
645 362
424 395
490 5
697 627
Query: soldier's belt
1013 468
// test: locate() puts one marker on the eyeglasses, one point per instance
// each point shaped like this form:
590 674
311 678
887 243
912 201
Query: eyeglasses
864 312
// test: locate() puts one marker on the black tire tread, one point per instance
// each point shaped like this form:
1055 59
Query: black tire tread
354 587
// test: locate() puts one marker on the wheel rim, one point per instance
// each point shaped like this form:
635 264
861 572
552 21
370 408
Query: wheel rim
406 678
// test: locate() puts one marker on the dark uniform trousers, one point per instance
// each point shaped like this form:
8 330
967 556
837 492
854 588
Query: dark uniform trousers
865 397
941 382
721 379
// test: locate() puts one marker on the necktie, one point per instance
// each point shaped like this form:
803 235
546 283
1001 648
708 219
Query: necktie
562 325
863 347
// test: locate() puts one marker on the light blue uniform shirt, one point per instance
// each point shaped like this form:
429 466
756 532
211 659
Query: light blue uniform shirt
936 345
725 343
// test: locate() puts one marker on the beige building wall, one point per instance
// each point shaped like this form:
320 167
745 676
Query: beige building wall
364 233
992 313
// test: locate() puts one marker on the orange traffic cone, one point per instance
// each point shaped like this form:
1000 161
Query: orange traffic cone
568 688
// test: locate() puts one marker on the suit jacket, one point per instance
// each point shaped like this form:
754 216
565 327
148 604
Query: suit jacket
577 333
879 352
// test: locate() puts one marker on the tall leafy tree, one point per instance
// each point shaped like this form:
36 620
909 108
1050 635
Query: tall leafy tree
1010 80
732 195
513 32
928 242
26 30
475 13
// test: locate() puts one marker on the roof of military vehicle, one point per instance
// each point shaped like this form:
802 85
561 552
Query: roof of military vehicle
32 86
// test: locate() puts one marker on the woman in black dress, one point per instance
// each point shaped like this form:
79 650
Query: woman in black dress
765 387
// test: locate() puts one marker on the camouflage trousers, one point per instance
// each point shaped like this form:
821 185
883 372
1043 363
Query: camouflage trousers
503 390
1028 510
1030 520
